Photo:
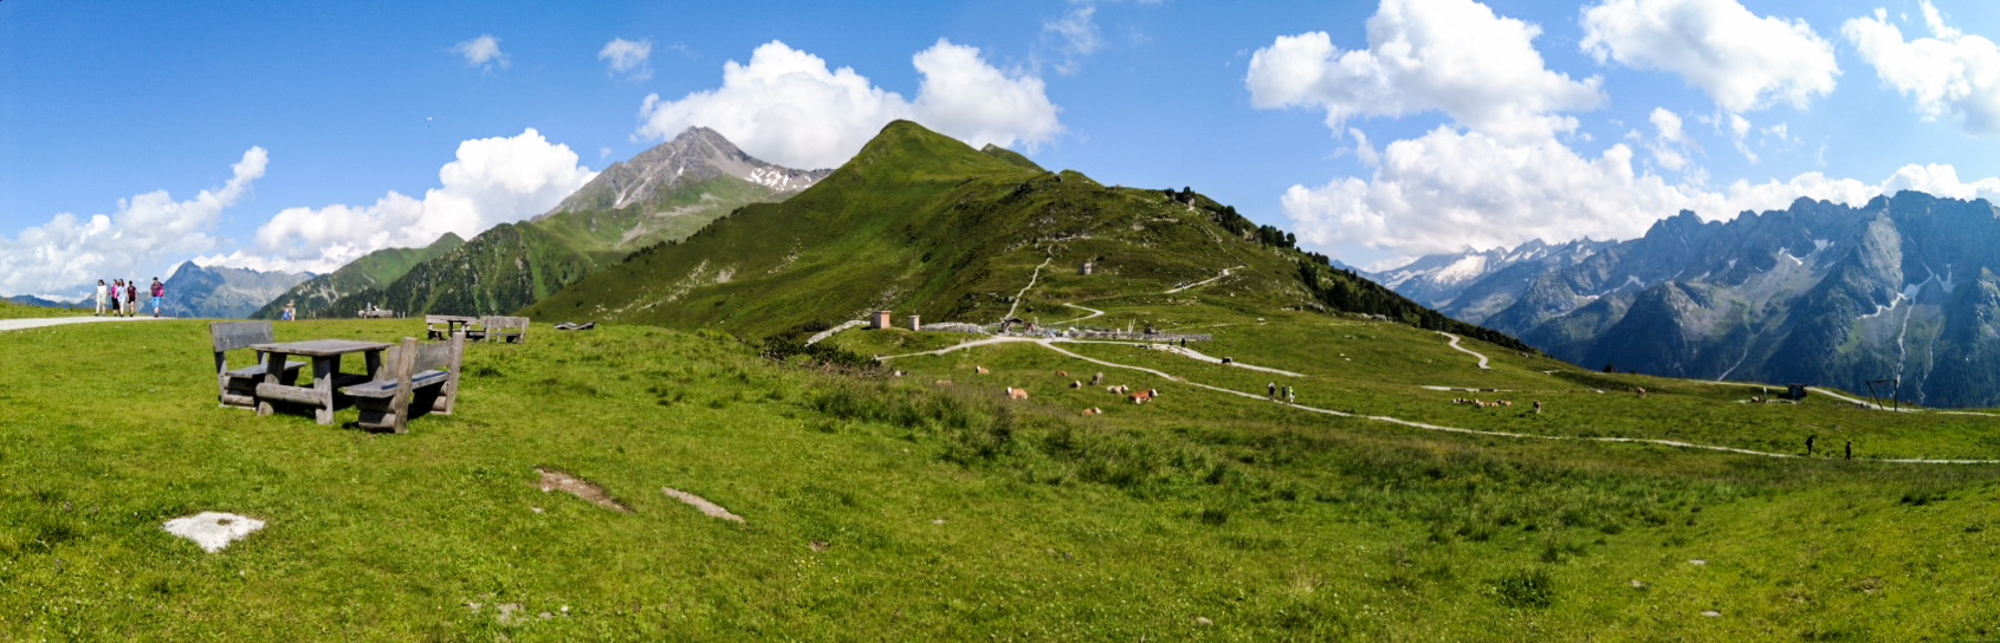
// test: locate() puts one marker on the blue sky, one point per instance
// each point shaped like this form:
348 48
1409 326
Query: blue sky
135 136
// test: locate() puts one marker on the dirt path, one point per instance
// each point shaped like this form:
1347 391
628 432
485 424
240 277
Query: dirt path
1204 282
1468 351
822 335
1093 313
1024 289
1051 345
38 322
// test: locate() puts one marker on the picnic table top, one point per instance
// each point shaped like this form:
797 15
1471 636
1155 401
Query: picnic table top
321 347
452 318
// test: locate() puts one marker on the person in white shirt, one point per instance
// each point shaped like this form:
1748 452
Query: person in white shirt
102 291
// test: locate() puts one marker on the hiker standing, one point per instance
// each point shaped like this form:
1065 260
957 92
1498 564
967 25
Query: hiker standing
1271 390
1809 442
117 289
1850 449
101 292
131 297
159 293
1538 407
1289 397
291 313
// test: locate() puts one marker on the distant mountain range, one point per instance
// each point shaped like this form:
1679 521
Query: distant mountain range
1901 292
920 223
196 291
665 193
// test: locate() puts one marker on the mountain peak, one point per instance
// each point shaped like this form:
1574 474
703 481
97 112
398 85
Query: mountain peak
696 154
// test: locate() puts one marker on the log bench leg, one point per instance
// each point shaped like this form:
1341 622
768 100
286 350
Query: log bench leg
323 371
274 367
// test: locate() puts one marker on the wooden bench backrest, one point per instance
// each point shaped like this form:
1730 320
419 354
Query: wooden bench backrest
229 336
428 356
506 323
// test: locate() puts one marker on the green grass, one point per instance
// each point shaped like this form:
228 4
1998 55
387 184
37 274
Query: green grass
11 310
945 512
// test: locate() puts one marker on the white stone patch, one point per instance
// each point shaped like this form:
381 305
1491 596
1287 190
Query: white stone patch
213 530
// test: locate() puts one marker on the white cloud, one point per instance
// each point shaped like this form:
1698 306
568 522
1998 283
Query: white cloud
1453 56
1073 36
1949 73
785 106
148 232
492 181
1743 62
1668 123
1448 190
482 52
631 60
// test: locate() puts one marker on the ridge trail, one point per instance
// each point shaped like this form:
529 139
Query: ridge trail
1468 351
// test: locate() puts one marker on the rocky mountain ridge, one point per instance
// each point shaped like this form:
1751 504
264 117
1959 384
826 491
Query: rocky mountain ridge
1893 292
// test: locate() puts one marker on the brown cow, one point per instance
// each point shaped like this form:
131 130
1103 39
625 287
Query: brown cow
1062 373
1093 411
1017 393
1141 396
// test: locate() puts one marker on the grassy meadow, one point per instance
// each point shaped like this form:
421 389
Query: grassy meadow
881 507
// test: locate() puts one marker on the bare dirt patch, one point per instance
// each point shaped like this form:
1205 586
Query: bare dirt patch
553 479
710 508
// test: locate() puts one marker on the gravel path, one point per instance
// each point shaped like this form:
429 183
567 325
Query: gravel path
1051 345
38 322
1468 351
822 335
1024 289
1204 282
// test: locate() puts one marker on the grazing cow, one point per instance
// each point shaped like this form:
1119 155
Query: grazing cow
1141 396
899 373
1538 407
1118 388
1062 373
1017 393
1075 384
1504 403
1641 390
1093 411
1097 379
980 370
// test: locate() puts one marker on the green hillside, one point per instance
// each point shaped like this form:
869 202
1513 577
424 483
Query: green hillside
513 265
885 508
359 282
920 223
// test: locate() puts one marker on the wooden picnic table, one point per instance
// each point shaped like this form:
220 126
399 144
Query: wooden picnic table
325 354
454 324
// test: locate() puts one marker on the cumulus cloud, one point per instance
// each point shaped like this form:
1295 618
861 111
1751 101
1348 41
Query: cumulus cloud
1741 61
787 107
492 181
1950 73
1453 56
628 59
147 233
1448 190
1669 144
482 52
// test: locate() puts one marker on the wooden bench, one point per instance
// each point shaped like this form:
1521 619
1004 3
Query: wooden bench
418 379
508 329
238 387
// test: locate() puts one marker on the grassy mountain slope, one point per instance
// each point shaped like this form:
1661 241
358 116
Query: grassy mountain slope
883 508
317 297
513 265
920 223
